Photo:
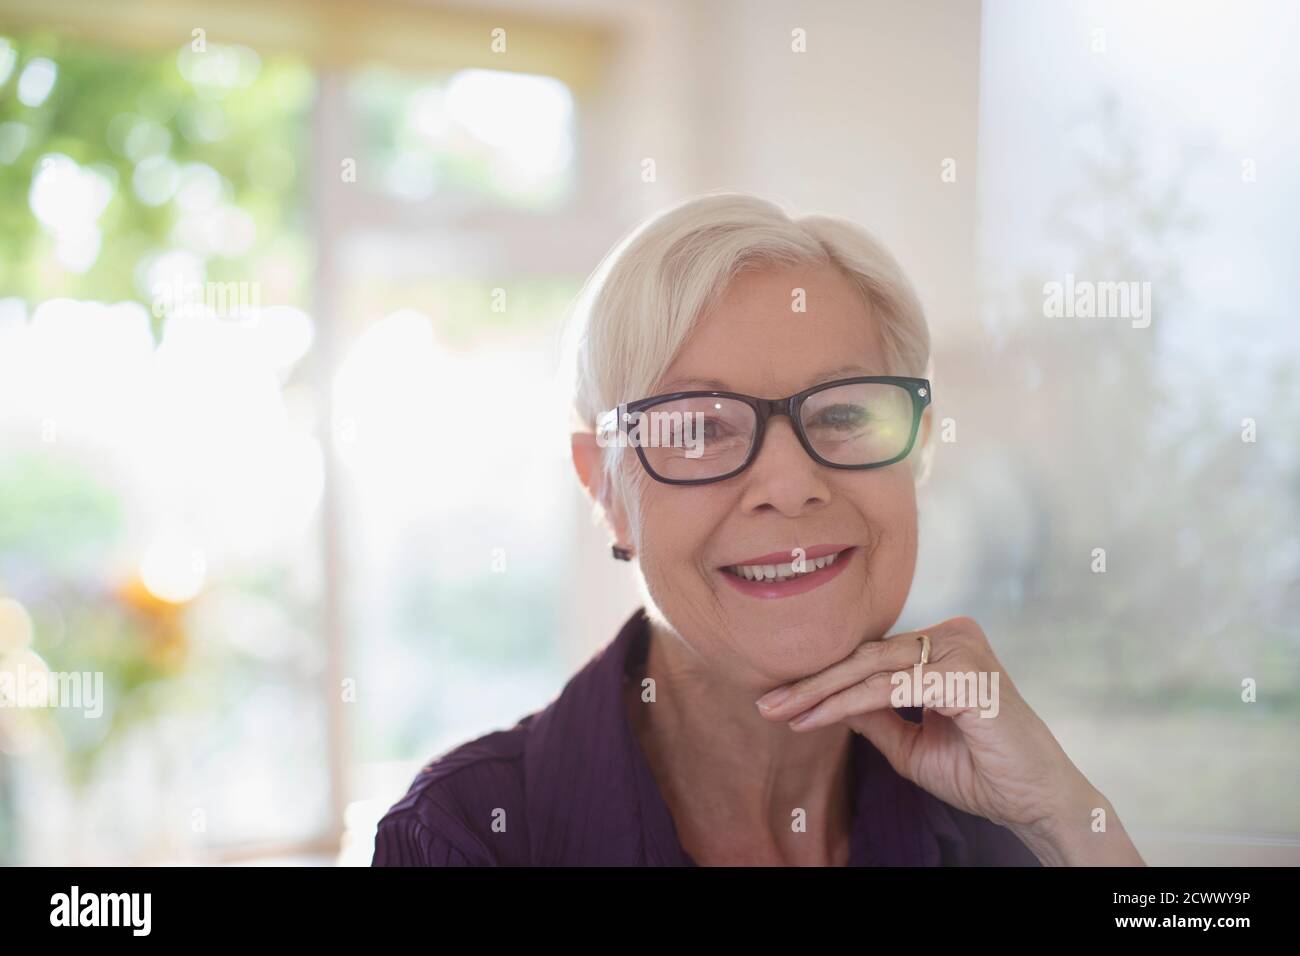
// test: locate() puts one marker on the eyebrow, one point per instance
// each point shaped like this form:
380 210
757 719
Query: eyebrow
826 375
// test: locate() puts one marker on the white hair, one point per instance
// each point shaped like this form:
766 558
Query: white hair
641 303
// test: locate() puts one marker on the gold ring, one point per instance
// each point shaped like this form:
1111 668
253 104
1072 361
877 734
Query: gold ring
925 648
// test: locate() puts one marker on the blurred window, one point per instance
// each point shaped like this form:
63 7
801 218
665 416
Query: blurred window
206 321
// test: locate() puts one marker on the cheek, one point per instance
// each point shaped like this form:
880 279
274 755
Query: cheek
889 511
676 529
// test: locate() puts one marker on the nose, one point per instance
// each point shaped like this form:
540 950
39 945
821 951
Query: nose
784 478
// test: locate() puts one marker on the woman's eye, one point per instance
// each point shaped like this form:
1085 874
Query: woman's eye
716 430
842 417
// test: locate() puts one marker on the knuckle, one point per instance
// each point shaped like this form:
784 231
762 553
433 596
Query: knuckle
962 626
868 651
876 681
965 632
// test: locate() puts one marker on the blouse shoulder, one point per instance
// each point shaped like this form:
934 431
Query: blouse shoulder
464 808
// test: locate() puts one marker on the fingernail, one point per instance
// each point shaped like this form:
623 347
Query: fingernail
773 698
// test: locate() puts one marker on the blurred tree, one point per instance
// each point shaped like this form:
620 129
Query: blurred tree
1125 458
193 155
201 151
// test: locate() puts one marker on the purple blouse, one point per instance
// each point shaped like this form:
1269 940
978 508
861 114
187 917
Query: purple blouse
569 785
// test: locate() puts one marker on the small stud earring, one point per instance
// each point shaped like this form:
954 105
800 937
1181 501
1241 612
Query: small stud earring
622 554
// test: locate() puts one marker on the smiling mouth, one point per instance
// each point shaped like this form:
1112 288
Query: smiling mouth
782 572
767 577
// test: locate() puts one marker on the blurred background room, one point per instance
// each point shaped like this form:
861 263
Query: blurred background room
295 525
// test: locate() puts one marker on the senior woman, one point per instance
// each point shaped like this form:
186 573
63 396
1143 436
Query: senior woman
753 426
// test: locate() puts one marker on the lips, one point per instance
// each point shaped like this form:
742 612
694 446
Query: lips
784 557
773 575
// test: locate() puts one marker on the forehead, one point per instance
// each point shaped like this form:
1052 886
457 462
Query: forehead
777 331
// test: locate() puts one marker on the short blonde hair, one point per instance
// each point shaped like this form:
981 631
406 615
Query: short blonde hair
642 301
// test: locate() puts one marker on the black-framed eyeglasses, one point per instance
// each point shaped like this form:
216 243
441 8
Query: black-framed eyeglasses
696 437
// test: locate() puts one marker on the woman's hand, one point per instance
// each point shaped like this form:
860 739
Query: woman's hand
979 748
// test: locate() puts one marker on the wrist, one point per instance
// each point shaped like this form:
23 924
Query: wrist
1083 830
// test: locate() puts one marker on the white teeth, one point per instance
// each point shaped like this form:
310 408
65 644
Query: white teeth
781 572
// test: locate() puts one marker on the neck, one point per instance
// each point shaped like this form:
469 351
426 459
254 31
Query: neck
734 782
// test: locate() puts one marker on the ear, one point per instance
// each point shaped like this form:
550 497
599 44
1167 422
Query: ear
921 468
927 420
588 461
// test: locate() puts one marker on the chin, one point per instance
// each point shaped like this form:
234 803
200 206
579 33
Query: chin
783 652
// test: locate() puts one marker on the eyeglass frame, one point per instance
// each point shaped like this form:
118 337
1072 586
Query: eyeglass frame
765 408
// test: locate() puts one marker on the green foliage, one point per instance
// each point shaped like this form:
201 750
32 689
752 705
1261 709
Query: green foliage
61 524
253 135
50 503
